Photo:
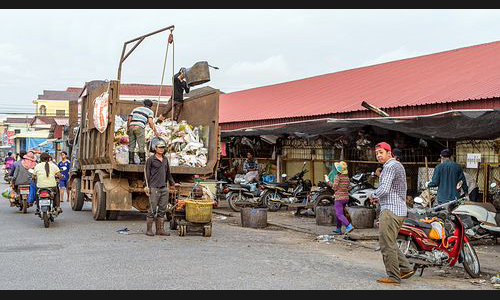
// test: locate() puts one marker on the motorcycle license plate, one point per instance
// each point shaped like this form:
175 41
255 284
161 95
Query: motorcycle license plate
24 192
44 202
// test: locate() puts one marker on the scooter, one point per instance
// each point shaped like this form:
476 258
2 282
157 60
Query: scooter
243 194
47 212
295 190
6 171
361 189
482 220
452 246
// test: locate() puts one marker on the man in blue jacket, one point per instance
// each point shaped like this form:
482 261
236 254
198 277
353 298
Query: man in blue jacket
446 176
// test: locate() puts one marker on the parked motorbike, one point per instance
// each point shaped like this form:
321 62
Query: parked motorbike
294 190
243 194
482 220
423 251
47 212
224 178
361 189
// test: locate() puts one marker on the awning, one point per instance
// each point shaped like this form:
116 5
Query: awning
46 142
450 125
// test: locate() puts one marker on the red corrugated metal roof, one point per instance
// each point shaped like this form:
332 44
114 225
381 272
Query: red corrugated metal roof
456 75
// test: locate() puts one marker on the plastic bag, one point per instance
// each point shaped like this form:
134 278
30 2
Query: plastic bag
101 116
121 155
6 193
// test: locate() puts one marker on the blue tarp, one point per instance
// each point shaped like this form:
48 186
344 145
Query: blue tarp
35 142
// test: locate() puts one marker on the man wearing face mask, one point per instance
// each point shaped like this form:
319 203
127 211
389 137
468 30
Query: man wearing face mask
391 194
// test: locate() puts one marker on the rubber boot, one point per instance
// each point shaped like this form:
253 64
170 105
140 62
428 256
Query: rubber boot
160 223
131 158
149 231
142 157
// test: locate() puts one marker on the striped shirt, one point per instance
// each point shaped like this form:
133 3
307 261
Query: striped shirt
341 187
392 190
140 116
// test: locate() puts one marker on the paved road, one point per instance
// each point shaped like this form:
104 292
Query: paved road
77 252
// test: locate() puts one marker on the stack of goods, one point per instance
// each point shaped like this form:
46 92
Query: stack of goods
185 144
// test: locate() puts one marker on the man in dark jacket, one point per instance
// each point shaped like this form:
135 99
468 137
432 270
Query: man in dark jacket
446 176
157 175
180 85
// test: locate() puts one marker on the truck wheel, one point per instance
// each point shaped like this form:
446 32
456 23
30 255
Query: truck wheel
112 215
77 198
99 202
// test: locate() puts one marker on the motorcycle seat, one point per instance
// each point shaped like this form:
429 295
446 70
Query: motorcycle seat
488 206
417 223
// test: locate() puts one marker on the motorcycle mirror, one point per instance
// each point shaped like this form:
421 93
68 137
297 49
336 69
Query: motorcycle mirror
459 184
493 185
418 200
284 175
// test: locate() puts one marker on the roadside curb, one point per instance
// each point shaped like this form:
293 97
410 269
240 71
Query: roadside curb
484 271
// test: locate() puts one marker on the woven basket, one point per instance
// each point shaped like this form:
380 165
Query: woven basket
199 211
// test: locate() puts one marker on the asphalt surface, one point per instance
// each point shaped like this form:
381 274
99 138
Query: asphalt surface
77 252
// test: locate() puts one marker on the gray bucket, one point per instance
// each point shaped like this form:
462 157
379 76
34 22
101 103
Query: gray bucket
198 74
362 217
254 217
325 215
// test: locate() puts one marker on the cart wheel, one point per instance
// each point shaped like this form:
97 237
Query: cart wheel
173 224
207 230
182 230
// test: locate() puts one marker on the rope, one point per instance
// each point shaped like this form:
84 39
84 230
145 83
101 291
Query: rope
170 40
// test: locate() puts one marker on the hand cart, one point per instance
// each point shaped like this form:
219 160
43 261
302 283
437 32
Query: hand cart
189 215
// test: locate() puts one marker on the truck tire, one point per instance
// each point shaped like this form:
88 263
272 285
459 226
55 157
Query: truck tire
112 215
77 198
99 202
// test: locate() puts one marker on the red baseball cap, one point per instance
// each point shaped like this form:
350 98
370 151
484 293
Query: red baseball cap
383 145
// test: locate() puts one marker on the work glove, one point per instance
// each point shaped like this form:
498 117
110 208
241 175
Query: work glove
427 184
146 190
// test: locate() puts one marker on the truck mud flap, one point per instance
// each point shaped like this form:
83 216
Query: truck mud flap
118 196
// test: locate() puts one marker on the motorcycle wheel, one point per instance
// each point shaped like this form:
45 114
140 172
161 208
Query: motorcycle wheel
25 206
402 245
271 205
471 261
232 200
46 221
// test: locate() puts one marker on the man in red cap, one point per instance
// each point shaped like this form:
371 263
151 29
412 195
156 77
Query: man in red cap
391 194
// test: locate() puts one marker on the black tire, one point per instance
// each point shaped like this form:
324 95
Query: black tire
207 230
99 202
46 221
112 215
320 198
173 224
271 205
471 261
232 198
25 206
77 198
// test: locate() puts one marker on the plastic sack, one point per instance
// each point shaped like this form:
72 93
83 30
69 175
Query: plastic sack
121 155
6 193
32 194
101 116
437 231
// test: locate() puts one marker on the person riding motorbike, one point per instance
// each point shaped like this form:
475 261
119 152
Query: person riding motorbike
45 174
21 175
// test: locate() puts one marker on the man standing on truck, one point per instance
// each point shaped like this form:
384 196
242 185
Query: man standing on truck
136 125
157 175
180 85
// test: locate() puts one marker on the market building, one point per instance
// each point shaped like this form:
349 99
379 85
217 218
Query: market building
420 105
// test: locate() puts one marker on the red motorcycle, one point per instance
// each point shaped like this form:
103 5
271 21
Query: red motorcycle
423 251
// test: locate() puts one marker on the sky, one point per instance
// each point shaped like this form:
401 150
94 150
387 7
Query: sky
52 49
